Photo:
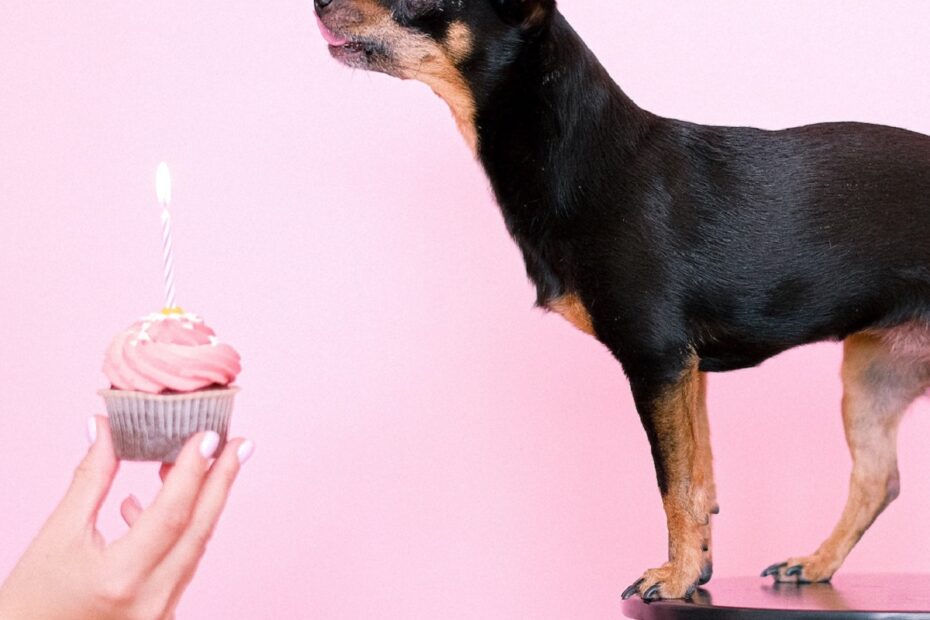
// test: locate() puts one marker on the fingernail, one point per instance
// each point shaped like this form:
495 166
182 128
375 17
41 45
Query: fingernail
91 430
208 446
244 453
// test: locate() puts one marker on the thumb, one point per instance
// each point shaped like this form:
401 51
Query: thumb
93 476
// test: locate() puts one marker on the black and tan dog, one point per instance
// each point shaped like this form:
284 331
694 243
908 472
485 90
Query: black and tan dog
685 249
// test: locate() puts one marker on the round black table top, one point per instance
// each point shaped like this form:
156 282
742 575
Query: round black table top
848 597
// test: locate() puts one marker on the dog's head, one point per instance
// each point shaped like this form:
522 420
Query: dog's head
455 46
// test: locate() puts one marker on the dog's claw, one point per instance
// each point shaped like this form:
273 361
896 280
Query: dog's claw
794 570
706 573
652 594
633 589
773 569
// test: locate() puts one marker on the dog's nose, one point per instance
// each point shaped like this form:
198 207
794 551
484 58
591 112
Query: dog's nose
321 5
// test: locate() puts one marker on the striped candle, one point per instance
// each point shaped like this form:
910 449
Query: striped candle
163 190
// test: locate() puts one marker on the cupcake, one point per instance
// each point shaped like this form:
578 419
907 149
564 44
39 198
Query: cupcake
170 377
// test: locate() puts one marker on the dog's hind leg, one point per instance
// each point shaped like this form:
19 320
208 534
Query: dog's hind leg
879 383
673 414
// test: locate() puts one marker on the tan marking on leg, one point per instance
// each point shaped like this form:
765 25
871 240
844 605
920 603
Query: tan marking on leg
681 425
879 384
572 309
705 489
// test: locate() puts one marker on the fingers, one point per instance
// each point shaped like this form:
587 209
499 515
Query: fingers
213 497
181 562
131 510
164 470
93 476
160 526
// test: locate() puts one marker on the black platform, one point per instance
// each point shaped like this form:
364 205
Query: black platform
849 597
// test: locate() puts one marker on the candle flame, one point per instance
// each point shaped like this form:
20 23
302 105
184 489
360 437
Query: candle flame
163 184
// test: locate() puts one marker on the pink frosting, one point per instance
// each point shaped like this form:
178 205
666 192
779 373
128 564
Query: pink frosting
174 352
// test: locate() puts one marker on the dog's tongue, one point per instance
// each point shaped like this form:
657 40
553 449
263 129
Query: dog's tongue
331 37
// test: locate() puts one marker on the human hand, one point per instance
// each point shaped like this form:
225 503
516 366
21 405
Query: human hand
70 572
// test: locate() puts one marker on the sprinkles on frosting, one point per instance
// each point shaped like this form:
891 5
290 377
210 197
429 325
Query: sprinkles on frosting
169 314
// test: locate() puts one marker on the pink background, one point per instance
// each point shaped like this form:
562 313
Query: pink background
428 444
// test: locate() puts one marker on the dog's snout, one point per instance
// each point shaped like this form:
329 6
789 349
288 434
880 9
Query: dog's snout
321 5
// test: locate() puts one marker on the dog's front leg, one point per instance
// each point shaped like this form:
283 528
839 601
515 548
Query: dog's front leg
674 416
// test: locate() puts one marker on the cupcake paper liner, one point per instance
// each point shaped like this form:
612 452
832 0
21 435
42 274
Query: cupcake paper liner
154 427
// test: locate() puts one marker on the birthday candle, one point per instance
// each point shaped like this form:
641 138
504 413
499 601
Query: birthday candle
163 190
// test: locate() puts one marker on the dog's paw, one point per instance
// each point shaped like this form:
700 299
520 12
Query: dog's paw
671 581
810 569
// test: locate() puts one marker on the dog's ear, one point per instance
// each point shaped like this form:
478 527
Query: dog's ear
528 14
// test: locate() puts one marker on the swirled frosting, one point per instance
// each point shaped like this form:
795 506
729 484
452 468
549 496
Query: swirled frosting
173 352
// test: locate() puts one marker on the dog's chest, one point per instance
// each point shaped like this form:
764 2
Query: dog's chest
548 265
573 310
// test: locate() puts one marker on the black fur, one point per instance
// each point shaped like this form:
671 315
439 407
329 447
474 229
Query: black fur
736 243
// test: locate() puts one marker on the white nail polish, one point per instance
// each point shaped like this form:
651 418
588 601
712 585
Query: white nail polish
208 446
91 430
244 453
